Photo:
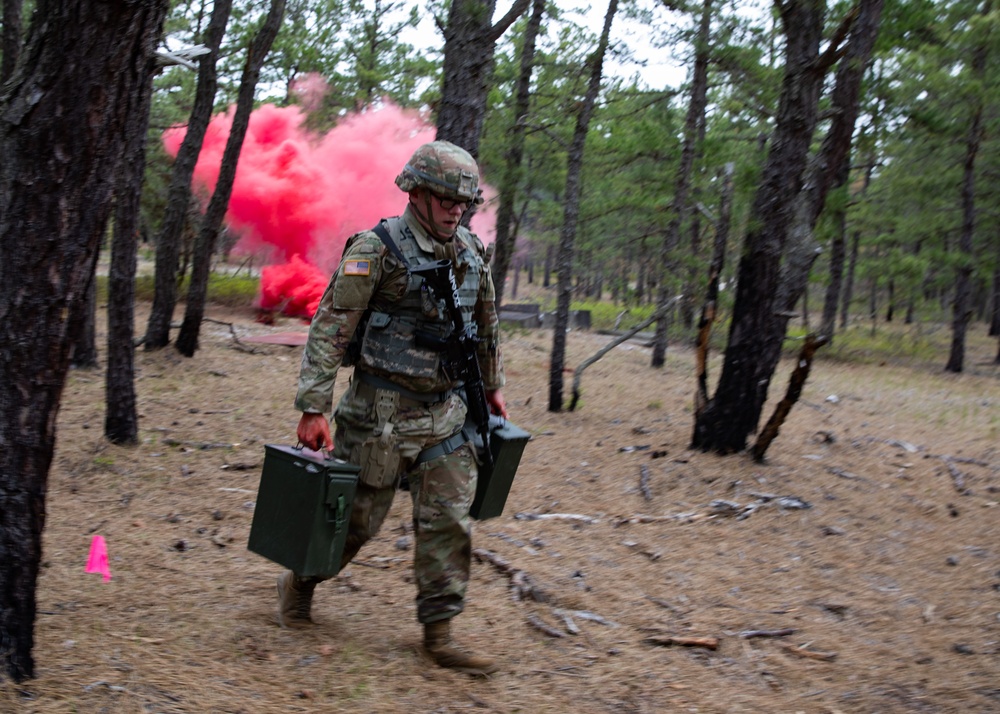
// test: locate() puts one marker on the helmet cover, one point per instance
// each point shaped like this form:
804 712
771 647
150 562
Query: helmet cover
443 168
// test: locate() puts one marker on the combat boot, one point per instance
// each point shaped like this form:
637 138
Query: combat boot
437 644
295 600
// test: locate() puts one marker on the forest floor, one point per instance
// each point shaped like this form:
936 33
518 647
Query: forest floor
870 536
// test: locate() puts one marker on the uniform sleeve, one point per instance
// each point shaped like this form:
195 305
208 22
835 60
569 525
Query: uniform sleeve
339 313
488 330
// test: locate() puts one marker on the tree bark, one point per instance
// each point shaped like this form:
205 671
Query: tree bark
852 269
733 413
961 309
121 419
62 127
505 239
469 47
995 307
838 255
780 253
710 307
84 351
682 182
571 213
11 42
187 339
168 243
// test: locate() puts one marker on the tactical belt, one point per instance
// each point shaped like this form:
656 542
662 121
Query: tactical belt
443 449
370 380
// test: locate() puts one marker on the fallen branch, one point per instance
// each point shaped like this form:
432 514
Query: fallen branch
555 517
522 587
578 373
711 643
801 651
750 634
667 605
170 441
644 482
543 627
957 477
232 331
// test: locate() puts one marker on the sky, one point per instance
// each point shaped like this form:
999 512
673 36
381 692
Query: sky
659 71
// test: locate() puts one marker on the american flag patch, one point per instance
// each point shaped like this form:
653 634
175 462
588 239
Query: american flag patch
357 267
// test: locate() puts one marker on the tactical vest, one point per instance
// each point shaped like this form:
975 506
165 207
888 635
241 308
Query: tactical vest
389 345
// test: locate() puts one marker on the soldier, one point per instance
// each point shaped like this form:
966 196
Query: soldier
402 413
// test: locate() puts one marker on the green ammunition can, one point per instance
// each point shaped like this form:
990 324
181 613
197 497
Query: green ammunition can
303 510
507 443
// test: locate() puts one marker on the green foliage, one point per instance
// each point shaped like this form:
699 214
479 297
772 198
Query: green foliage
226 290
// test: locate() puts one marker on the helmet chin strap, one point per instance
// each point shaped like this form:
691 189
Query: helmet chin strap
426 218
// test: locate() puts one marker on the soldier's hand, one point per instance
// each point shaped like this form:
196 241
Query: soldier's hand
494 397
314 431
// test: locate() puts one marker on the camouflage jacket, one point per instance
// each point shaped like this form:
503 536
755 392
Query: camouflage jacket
369 276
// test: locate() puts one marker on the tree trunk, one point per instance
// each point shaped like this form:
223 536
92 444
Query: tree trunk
505 240
168 243
201 264
121 420
961 310
84 350
995 306
852 269
571 212
682 181
469 46
785 228
710 308
733 413
574 167
62 129
838 254
11 42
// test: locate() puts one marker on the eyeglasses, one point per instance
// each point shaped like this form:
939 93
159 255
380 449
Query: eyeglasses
449 203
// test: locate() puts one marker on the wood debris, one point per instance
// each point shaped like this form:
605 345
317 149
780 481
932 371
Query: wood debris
801 651
749 634
522 586
542 626
555 517
957 477
711 643
524 589
644 482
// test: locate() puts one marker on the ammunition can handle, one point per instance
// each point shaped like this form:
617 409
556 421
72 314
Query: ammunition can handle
336 512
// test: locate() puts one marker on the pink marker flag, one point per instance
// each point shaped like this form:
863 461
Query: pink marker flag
97 561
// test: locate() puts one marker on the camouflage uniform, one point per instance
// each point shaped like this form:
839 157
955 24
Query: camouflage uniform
370 278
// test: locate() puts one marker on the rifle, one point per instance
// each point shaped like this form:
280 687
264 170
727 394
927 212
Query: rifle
459 349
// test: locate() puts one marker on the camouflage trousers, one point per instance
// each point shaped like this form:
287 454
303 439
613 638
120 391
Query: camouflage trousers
442 491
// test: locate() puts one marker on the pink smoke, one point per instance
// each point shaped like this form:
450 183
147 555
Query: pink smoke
298 196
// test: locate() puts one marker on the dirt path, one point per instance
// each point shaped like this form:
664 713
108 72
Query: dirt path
870 536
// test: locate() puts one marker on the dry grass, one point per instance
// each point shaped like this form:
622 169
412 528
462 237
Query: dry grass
891 569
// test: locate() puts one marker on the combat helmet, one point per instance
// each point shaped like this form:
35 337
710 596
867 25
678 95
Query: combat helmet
443 168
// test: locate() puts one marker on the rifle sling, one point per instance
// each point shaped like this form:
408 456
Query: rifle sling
383 234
